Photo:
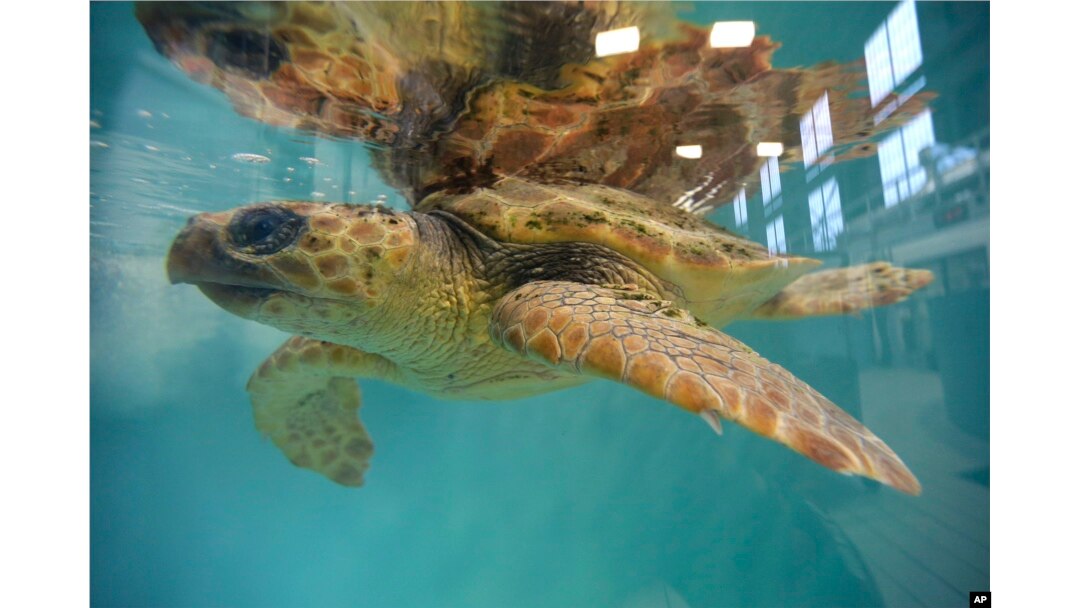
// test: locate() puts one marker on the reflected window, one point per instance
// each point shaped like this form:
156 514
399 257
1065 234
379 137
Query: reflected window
816 127
615 42
740 208
774 235
770 148
731 34
826 215
691 152
770 186
694 200
898 154
893 52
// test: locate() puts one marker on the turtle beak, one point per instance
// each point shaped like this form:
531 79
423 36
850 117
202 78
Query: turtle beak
201 254
183 262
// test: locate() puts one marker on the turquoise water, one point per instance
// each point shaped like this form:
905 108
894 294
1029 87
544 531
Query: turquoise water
594 496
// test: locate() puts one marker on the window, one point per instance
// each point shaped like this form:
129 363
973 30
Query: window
770 185
615 42
893 52
740 208
774 233
901 173
816 127
826 215
731 34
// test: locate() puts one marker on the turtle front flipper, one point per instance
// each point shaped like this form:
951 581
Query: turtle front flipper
626 335
305 398
844 290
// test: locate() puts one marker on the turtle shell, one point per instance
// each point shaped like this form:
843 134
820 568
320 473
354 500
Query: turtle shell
719 275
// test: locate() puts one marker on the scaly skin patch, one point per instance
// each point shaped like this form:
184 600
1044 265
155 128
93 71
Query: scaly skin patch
665 352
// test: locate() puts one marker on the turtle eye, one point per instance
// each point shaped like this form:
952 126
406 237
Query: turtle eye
256 54
264 230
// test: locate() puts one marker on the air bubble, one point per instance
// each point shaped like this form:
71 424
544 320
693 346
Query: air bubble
247 157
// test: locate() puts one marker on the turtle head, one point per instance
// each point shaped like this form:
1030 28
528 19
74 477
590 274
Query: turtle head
234 37
314 269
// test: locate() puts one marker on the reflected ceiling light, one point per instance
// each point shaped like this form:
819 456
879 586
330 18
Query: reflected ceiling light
688 151
731 34
770 148
613 42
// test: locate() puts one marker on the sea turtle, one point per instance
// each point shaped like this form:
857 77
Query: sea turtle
518 289
549 240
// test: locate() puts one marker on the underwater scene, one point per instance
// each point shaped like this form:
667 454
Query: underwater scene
506 304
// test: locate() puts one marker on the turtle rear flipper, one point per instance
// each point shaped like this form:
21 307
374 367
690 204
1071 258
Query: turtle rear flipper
626 336
844 290
305 398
